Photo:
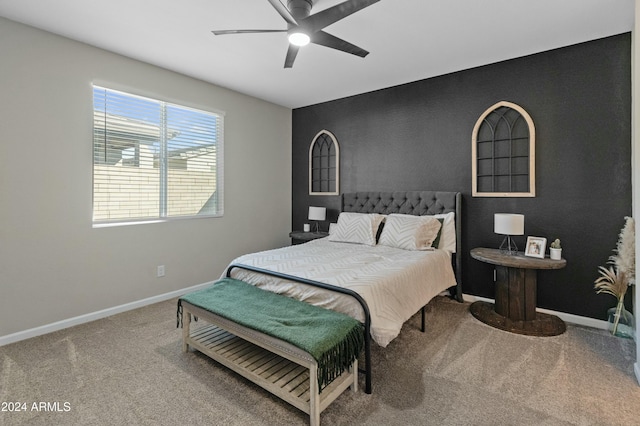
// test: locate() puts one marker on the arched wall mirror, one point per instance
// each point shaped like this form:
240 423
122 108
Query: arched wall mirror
503 153
324 165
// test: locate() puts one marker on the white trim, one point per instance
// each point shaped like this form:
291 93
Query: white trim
70 322
635 161
60 325
570 318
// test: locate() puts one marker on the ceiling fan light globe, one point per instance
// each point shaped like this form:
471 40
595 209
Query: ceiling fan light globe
299 39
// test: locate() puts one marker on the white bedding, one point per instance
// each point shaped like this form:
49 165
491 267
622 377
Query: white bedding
395 283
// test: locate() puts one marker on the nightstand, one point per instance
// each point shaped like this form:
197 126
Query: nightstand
299 237
515 297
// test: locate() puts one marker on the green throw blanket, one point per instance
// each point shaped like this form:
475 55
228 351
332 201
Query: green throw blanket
333 339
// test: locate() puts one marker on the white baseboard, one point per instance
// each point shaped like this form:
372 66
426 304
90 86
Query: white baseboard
49 328
59 325
570 318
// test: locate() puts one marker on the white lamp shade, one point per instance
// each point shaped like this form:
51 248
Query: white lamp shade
317 213
508 224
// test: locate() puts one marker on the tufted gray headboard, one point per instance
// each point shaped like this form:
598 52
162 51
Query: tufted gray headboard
416 203
412 202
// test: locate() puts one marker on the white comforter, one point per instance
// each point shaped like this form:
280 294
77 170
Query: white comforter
395 283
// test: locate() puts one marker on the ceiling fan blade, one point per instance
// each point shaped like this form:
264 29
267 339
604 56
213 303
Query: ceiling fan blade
283 11
292 52
225 32
333 14
325 39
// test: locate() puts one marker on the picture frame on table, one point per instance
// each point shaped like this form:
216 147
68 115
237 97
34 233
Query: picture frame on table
535 247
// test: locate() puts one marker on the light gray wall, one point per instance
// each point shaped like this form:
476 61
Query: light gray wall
53 264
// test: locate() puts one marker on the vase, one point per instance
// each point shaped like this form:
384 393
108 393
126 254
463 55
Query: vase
623 325
555 253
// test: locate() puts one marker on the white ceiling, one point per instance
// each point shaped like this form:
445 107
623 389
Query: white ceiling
409 40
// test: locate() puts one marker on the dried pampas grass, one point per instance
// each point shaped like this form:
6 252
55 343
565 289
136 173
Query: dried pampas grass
611 281
617 278
625 257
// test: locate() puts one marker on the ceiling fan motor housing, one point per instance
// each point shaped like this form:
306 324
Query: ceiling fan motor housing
300 9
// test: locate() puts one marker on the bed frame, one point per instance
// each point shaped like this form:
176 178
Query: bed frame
415 203
361 301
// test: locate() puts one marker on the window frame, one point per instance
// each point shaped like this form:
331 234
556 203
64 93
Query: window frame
336 176
531 153
163 215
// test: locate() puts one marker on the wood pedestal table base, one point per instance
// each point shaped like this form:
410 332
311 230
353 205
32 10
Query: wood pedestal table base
542 325
516 287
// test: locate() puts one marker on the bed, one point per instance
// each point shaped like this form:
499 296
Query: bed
382 283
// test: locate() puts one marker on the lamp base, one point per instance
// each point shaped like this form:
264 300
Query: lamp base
508 246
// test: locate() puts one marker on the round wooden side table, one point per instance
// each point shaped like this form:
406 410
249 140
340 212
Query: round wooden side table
515 294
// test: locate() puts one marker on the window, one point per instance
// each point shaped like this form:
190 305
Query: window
503 153
154 160
324 165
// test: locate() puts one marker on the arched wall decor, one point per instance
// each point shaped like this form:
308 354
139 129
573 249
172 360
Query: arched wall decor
324 164
503 152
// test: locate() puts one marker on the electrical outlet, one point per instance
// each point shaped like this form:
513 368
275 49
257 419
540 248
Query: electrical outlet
160 270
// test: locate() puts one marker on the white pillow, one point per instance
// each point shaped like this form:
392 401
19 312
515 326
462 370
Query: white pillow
448 234
359 228
332 228
409 232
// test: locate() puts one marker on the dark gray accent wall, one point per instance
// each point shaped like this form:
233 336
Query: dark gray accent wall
417 136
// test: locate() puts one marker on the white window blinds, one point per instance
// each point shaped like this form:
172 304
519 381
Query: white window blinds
154 160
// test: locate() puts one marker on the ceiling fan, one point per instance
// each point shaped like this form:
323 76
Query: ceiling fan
304 28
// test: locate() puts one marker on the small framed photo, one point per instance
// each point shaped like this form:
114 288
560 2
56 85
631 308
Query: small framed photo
535 247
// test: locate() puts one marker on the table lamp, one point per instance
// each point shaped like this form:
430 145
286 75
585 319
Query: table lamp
317 214
508 224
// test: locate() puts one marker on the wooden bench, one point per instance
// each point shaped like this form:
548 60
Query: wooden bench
277 366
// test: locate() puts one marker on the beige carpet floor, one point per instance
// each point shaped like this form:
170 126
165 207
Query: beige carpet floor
129 369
